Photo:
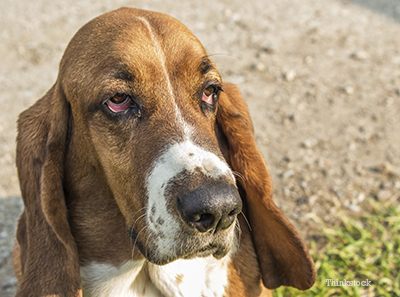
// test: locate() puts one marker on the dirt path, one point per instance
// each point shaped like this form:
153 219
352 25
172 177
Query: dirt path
322 79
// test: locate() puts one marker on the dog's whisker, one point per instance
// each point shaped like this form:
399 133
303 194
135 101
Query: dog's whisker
148 237
238 236
223 54
240 176
144 207
174 249
237 227
133 216
151 234
143 215
247 221
180 250
134 244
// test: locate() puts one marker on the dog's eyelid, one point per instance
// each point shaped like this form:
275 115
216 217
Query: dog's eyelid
121 103
212 87
212 83
123 94
119 98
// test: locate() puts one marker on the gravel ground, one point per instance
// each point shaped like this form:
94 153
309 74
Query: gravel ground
322 80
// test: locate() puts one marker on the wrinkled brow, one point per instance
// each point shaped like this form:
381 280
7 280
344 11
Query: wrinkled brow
206 65
123 75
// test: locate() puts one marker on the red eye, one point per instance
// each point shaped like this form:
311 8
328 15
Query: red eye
208 95
119 103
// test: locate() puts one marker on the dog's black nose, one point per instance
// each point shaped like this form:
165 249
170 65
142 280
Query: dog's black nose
210 208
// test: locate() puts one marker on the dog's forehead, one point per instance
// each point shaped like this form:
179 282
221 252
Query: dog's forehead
129 35
134 44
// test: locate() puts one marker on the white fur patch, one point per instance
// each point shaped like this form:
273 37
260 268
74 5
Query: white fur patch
128 280
158 53
177 158
201 277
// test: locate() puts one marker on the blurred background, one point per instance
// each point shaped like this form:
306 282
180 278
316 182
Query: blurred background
322 81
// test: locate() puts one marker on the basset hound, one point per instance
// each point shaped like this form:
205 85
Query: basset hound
140 175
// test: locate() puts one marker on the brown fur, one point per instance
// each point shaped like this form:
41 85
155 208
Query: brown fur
284 260
76 165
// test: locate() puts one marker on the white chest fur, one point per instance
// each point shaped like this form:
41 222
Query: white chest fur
198 277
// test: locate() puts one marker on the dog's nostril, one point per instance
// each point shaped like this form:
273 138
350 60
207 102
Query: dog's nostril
206 222
206 217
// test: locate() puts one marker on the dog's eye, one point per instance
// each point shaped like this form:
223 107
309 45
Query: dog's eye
209 94
119 103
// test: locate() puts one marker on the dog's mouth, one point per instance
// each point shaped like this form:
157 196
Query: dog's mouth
191 247
202 253
216 251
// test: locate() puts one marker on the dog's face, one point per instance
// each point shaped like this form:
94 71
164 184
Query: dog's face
128 149
149 99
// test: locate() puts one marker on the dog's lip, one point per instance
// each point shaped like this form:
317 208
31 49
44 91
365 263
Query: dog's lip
206 251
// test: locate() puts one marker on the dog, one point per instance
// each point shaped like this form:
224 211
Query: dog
140 175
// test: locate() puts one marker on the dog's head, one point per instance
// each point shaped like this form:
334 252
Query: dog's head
148 106
140 106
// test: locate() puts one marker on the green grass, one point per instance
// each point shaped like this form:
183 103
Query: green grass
364 248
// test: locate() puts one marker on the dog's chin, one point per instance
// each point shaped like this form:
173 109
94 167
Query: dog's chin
217 251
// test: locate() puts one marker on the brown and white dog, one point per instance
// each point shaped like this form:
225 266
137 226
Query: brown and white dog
137 171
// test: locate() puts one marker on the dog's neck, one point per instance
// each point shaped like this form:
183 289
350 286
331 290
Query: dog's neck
185 278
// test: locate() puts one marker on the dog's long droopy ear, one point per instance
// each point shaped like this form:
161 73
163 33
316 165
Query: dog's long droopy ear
48 253
283 257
